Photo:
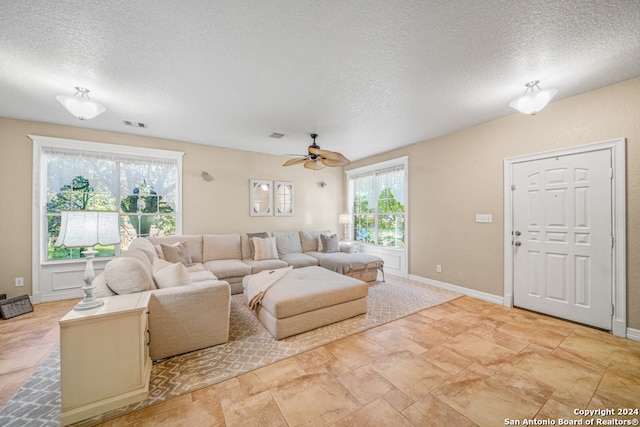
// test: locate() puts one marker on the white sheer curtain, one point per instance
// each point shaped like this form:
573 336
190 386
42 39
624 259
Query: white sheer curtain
378 206
108 177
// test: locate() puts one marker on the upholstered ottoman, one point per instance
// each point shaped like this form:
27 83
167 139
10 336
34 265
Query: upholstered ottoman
308 298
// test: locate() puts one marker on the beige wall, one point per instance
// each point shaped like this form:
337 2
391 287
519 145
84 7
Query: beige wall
453 177
219 206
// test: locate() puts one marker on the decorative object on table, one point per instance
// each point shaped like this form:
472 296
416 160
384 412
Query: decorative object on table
81 106
317 159
534 99
345 219
260 197
16 306
85 229
284 198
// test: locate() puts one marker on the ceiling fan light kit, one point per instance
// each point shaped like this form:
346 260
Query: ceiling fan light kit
317 158
534 99
81 106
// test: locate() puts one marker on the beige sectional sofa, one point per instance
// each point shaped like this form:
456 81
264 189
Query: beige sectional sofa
191 277
188 307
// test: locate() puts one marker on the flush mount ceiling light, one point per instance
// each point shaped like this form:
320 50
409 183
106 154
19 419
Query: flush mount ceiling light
81 106
534 99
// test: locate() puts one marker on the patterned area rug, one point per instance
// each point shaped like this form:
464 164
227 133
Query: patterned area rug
250 347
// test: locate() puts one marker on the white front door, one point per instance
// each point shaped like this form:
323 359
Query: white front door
562 242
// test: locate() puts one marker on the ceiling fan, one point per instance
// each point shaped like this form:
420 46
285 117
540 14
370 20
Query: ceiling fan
317 159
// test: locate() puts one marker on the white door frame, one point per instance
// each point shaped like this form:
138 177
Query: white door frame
618 193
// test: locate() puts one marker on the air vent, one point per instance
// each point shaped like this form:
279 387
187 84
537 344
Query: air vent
134 124
276 135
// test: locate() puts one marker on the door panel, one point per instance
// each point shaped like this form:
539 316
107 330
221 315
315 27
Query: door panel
563 256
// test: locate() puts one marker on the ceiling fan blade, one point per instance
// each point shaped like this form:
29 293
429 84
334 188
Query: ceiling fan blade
314 165
335 158
323 153
334 163
297 161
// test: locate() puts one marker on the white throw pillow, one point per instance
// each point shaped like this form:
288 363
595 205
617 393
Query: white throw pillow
126 275
168 275
265 248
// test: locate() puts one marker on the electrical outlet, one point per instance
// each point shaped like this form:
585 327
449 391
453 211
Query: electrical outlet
19 281
438 268
484 218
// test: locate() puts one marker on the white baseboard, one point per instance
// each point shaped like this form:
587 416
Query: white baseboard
496 299
633 334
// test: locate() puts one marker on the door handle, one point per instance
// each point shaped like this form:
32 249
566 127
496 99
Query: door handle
518 233
518 243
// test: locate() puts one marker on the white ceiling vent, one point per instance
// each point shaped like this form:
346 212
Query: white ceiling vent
276 135
135 124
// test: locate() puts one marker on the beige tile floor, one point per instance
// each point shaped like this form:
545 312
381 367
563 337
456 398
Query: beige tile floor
463 363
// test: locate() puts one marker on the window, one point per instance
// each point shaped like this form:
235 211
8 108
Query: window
377 196
143 185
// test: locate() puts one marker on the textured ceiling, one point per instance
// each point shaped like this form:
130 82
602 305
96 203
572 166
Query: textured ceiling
367 76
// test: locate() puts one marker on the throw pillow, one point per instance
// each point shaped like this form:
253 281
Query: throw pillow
167 274
158 249
126 275
330 243
265 248
262 235
178 252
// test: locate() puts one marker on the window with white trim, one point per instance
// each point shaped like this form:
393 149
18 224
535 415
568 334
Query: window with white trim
377 197
143 185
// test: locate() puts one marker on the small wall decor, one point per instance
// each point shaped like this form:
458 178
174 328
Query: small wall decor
260 197
284 198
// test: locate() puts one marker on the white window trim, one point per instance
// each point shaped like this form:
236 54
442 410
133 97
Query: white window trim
396 259
39 191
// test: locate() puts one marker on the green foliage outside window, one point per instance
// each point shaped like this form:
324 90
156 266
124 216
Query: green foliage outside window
382 224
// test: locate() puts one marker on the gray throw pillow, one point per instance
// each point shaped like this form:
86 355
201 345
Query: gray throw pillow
177 253
330 243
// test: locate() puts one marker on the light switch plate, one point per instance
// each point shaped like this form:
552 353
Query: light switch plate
484 218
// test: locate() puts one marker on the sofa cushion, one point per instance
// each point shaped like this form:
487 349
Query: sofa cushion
226 268
299 260
265 248
199 276
266 264
127 275
330 243
221 246
196 266
288 243
167 274
177 252
145 246
311 239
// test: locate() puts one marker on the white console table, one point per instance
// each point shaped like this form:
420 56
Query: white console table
104 357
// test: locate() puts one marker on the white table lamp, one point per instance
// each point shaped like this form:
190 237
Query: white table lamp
84 229
345 219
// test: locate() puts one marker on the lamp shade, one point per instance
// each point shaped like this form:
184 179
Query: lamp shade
534 99
80 229
344 219
81 106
